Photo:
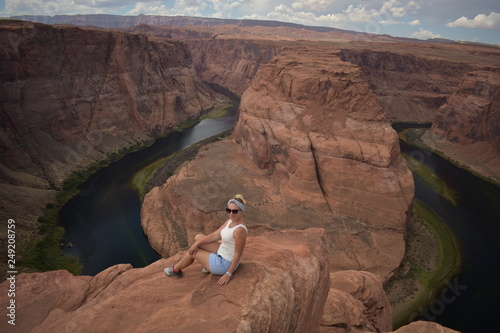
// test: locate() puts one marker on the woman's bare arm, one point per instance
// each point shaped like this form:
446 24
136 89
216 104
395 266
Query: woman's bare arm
213 237
240 239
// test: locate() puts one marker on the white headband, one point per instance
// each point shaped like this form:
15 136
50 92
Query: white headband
239 204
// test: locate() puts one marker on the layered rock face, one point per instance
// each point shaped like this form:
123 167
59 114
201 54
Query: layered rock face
467 127
311 149
409 86
356 302
231 63
472 113
70 96
220 56
264 295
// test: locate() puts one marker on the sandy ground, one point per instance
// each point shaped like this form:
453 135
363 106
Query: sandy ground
421 252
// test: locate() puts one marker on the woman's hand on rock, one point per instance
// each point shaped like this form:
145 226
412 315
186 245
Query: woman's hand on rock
224 279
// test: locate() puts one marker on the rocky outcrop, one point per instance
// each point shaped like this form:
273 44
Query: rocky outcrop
424 326
322 155
356 302
281 286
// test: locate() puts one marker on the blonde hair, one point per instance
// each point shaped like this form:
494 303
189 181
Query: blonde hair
240 198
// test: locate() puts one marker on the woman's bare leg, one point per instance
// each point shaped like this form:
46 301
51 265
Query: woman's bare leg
201 255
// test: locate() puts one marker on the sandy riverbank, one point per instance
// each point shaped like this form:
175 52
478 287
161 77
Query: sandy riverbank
425 266
480 158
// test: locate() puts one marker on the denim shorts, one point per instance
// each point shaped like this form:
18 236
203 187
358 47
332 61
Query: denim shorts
218 265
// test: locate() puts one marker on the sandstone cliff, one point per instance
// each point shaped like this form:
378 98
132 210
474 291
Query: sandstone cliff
231 63
312 118
70 97
323 156
413 81
227 55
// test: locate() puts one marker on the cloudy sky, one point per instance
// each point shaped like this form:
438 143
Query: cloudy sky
477 20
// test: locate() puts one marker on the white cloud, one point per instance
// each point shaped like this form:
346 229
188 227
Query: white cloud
97 3
394 8
283 9
358 14
415 22
151 8
315 5
491 21
425 34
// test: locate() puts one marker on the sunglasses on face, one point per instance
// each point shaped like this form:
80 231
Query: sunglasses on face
234 211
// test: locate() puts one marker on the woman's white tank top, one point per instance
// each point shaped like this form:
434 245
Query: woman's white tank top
227 248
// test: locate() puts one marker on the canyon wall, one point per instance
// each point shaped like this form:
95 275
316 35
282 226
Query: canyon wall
467 127
472 113
231 63
413 82
222 56
70 97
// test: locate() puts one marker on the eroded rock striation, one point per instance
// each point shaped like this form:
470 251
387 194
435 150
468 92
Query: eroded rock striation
472 113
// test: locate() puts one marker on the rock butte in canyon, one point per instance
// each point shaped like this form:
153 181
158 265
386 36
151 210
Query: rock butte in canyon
312 150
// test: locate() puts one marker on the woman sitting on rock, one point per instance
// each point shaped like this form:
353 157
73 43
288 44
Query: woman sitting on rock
219 258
